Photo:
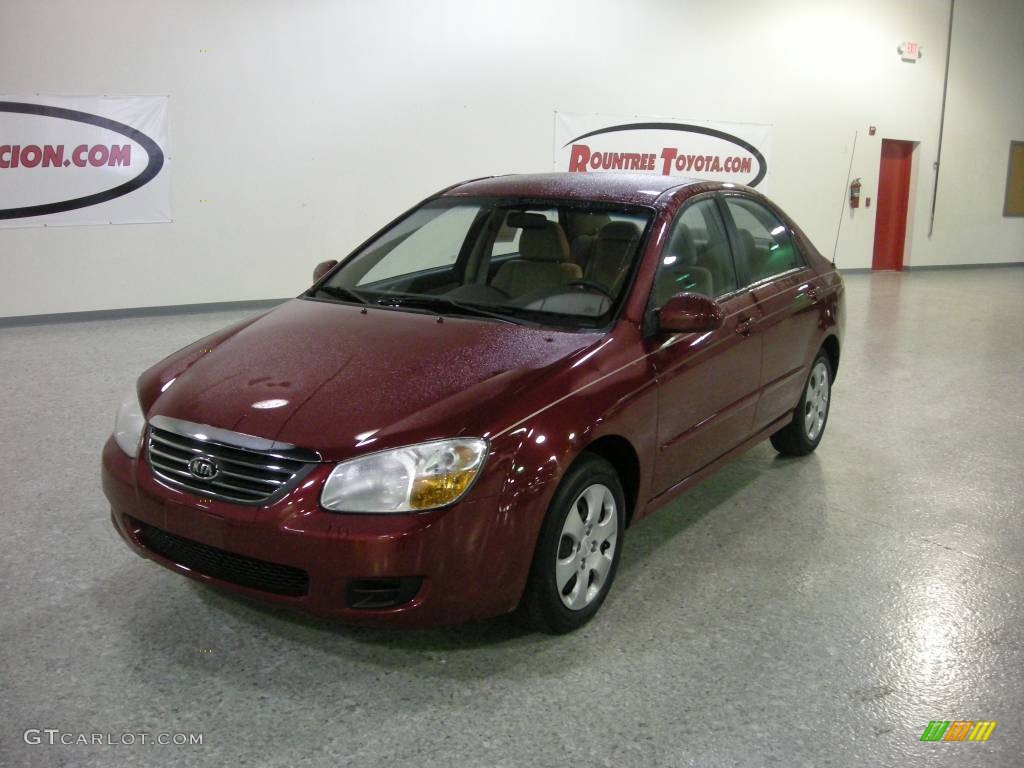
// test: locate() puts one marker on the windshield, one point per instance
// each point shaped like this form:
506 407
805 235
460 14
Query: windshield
561 263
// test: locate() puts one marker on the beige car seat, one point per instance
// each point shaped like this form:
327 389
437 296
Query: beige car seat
543 262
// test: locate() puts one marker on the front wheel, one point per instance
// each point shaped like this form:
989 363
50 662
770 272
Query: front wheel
803 433
577 553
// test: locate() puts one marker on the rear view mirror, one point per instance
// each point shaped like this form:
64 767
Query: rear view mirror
524 220
323 268
690 313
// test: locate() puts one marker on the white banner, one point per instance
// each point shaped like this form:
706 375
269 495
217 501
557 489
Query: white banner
83 160
736 152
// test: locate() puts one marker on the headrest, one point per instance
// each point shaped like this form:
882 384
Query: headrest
681 244
746 242
589 223
546 244
619 230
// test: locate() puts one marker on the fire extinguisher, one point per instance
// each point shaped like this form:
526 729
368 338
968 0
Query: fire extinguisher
855 193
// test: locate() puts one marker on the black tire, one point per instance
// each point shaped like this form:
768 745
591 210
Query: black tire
794 439
542 607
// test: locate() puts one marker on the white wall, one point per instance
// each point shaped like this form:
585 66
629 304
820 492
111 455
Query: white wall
311 123
985 111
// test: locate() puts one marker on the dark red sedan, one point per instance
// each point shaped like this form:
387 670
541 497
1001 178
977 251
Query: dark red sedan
463 416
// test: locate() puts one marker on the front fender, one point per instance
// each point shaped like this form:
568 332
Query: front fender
535 455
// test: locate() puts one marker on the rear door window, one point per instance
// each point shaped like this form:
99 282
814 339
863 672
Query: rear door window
764 245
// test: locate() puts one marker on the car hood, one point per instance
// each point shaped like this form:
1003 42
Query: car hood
343 380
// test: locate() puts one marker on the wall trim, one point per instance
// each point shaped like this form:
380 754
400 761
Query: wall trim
931 267
997 264
130 312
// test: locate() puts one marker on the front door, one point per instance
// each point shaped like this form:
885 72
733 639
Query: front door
707 383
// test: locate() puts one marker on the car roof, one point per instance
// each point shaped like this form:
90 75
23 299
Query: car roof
630 188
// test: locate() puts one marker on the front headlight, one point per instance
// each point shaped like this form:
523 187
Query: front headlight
411 479
129 424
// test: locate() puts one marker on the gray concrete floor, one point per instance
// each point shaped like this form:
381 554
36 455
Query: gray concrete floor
787 612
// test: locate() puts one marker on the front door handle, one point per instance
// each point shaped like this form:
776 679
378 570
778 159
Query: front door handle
746 326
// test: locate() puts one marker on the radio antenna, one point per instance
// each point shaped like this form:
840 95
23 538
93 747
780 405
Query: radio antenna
842 205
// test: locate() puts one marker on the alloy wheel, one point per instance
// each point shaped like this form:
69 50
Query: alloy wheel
586 548
816 401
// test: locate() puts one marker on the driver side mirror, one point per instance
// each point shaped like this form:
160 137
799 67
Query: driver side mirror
690 313
323 268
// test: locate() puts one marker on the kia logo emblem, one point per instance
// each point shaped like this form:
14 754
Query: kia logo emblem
203 467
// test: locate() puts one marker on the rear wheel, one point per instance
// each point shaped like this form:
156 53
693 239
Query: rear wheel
577 553
803 433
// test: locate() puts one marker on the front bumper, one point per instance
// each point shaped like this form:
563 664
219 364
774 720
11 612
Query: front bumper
469 561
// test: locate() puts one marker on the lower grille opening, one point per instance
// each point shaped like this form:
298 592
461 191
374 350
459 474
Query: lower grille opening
219 564
382 593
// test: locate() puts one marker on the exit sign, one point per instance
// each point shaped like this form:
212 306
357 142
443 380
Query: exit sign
909 51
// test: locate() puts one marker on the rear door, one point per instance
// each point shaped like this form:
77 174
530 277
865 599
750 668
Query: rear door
707 383
769 262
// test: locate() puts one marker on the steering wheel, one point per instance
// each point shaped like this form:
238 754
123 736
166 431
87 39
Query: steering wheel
595 285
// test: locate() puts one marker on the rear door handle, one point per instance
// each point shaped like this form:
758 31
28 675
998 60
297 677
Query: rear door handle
746 326
812 294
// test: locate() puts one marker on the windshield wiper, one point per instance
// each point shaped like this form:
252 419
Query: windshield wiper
340 292
434 302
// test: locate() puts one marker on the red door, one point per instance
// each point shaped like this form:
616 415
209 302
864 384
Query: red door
893 193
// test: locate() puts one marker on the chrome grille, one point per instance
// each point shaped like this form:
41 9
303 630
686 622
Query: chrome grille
249 470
